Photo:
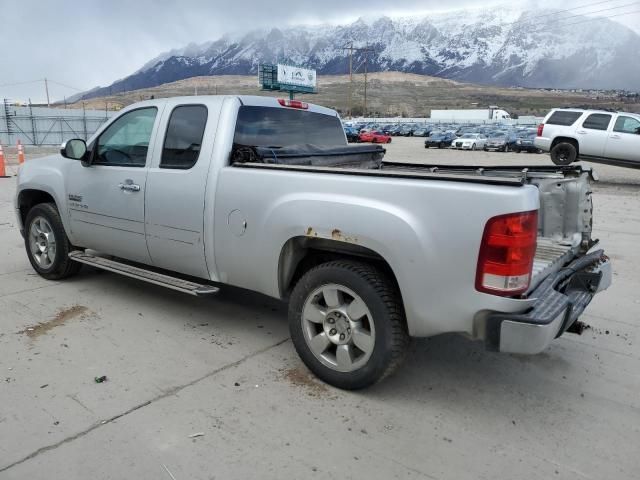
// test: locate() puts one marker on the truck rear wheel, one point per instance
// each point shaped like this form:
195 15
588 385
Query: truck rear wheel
47 244
564 153
347 323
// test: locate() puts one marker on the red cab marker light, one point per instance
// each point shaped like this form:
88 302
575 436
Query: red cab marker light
293 103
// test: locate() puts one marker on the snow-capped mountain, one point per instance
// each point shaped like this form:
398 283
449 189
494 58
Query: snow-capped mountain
501 46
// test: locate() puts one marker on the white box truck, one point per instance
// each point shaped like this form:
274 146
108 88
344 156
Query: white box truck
493 114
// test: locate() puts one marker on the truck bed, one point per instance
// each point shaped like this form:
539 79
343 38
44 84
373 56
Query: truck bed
494 175
565 201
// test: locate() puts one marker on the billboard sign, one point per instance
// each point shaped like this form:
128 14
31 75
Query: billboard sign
300 77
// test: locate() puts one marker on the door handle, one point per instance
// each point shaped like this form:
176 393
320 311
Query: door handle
129 187
614 136
581 132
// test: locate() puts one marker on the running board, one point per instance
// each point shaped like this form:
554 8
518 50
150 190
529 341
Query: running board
142 274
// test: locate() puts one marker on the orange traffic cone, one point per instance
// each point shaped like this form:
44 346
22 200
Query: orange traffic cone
20 152
3 170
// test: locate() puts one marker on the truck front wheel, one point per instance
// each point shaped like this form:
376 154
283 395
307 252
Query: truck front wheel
47 244
564 153
347 323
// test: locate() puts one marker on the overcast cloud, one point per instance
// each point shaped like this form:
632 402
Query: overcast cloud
86 43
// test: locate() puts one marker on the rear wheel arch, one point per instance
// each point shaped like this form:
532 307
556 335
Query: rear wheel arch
300 254
573 141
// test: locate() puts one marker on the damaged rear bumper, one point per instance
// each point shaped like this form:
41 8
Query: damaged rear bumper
560 300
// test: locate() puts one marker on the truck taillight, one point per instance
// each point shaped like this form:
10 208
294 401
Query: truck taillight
293 103
506 254
540 129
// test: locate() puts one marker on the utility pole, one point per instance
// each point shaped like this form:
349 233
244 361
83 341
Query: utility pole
46 87
366 51
366 58
350 48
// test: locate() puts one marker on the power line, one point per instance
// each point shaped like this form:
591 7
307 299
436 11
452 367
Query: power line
21 83
572 9
597 11
67 86
584 21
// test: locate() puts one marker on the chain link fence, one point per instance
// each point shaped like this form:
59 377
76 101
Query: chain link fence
47 126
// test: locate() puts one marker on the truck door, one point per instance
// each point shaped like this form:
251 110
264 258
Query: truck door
176 187
624 140
106 199
592 134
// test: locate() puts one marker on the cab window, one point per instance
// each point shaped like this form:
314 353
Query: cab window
126 141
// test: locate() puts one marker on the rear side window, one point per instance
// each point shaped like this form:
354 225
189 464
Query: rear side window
279 127
184 137
563 117
597 121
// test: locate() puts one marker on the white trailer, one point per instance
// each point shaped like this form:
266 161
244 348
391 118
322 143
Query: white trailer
491 114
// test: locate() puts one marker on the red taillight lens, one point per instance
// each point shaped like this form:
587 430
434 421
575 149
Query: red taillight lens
540 129
506 253
293 103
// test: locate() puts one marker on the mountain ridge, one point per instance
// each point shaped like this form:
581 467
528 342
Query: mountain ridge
502 47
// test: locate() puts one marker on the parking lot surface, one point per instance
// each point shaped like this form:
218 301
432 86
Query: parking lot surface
204 388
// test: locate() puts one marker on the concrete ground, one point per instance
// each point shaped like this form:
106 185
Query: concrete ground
202 388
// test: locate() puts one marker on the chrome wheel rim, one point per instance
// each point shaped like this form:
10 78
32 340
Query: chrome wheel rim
42 243
338 327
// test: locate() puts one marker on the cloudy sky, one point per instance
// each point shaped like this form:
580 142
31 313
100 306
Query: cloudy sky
79 44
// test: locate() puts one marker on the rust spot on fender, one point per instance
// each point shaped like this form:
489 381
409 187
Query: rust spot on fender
337 234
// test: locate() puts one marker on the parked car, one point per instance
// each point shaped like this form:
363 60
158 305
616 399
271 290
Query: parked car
501 142
439 140
572 134
394 130
351 134
366 253
374 137
526 143
406 130
421 132
470 141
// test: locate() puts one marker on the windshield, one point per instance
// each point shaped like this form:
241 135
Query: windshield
278 127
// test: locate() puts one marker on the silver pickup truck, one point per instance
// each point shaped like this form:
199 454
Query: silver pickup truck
195 193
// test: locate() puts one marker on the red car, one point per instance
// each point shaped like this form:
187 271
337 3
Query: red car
374 137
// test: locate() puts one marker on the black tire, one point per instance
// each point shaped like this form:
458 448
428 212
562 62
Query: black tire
564 153
473 147
506 149
380 296
61 266
440 145
517 150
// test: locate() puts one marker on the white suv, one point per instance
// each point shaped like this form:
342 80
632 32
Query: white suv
571 134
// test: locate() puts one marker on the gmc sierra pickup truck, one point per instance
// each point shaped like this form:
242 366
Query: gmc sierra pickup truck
195 193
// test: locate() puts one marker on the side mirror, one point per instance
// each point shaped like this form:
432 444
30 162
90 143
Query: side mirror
75 149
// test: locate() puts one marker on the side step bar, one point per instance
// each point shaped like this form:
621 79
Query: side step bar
142 274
